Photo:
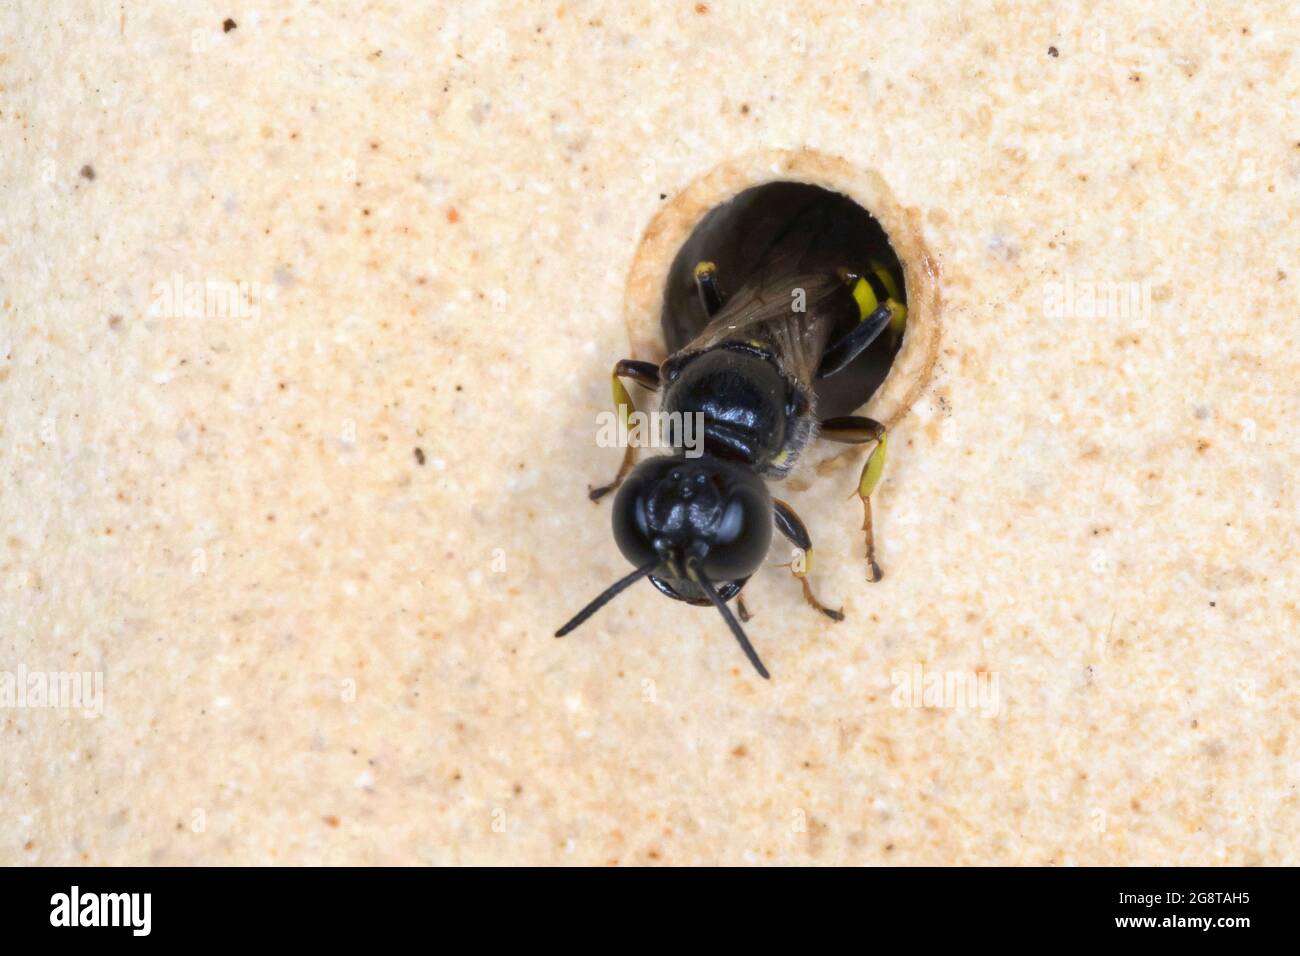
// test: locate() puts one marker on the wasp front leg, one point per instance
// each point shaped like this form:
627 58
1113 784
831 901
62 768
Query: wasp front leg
788 523
856 430
645 373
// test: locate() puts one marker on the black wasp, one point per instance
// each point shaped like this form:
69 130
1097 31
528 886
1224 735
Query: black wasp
754 365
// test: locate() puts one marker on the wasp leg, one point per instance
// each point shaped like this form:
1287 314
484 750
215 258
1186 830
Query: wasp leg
646 374
855 342
878 297
742 612
856 430
788 523
706 282
898 318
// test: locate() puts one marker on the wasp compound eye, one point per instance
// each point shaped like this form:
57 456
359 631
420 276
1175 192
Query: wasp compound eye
632 530
742 535
712 510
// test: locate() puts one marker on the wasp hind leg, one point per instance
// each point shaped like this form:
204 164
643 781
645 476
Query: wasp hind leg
788 523
645 373
856 430
710 290
880 307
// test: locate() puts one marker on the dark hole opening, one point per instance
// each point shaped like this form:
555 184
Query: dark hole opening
738 233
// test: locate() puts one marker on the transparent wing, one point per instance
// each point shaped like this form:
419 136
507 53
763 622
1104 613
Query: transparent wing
792 303
791 315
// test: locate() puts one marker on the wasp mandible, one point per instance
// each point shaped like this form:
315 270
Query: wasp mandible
802 311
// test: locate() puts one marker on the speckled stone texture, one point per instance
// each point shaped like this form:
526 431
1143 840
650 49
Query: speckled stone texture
316 534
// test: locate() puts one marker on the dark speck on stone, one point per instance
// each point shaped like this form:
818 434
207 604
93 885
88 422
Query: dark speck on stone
419 455
1053 51
88 172
228 25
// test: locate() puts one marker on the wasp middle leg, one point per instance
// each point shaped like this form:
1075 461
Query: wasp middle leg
788 523
646 374
857 430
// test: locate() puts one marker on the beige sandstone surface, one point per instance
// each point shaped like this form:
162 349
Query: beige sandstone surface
315 544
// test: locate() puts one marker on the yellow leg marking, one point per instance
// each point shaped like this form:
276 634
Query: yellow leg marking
623 403
871 472
897 320
800 570
897 313
704 268
897 310
865 296
622 399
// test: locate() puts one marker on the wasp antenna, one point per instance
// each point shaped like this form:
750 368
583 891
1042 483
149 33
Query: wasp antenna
697 574
606 596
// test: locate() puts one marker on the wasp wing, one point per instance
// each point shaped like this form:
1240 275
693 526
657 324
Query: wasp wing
790 315
793 300
768 242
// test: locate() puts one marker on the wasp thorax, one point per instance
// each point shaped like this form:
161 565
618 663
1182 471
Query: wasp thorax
742 398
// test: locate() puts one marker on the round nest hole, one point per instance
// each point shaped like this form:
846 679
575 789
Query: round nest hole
730 217
735 236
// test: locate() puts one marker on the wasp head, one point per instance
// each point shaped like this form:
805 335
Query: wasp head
698 528
672 510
